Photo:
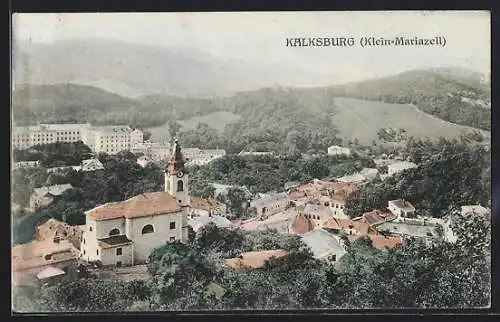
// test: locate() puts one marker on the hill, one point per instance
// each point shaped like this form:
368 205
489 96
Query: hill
136 69
362 119
78 103
271 119
448 93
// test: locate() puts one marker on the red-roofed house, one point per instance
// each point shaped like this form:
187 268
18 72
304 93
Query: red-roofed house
252 260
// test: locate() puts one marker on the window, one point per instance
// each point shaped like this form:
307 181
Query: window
114 232
148 229
84 241
333 258
97 252
48 257
180 185
172 239
118 251
119 264
172 225
90 228
84 252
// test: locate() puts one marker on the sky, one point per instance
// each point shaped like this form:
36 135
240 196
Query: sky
260 37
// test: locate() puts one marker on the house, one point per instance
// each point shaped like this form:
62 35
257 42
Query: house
214 290
400 166
324 245
427 232
44 196
222 189
377 217
291 184
124 233
198 221
26 164
136 137
474 210
254 153
280 222
348 226
338 150
253 260
91 165
33 258
55 230
271 203
386 242
302 225
143 161
369 173
401 208
353 178
341 192
196 156
205 206
318 214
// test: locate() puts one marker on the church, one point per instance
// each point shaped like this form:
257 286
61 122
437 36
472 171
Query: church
125 233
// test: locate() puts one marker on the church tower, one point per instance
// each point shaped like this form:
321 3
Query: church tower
176 177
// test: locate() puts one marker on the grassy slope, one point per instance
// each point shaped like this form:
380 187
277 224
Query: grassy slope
361 119
216 120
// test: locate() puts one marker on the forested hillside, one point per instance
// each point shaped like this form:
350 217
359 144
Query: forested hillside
457 99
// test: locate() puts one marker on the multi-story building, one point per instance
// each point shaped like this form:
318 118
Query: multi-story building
196 156
25 137
109 139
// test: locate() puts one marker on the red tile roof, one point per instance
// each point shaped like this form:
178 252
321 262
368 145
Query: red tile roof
41 253
254 259
378 216
344 224
302 225
114 241
207 204
386 242
146 204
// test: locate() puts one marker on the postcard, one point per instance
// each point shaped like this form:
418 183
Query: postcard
222 161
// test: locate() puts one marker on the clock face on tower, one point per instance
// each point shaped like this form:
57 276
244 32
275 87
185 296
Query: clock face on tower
180 174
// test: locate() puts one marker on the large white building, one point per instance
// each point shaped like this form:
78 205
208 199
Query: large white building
196 156
27 136
338 150
125 233
109 139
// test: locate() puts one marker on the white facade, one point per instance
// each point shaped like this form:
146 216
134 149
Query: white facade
338 150
178 186
109 139
197 156
27 136
136 137
401 208
397 167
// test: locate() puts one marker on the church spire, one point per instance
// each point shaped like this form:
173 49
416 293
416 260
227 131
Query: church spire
177 162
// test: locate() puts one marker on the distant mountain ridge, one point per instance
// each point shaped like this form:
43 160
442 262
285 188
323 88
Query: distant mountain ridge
136 69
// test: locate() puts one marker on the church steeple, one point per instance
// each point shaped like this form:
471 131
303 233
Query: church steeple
176 177
177 162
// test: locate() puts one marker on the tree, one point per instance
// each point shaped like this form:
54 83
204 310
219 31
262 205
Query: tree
173 129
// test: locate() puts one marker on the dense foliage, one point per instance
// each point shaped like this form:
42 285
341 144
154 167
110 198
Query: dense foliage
419 276
439 183
70 103
267 173
55 154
